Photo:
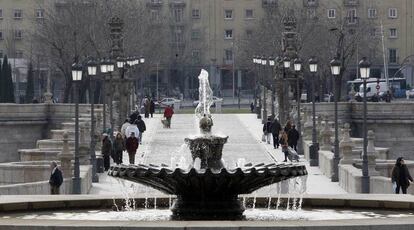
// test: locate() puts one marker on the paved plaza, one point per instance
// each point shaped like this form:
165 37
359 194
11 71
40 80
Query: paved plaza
167 146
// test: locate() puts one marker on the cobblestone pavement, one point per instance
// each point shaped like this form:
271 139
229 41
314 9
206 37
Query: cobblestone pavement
167 146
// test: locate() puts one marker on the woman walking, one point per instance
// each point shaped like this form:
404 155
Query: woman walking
284 143
119 147
106 151
401 176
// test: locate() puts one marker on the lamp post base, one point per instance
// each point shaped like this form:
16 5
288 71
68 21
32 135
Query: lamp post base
264 116
95 178
313 154
76 181
365 184
335 175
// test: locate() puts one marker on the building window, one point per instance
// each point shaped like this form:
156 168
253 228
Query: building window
195 54
18 14
311 2
393 33
40 13
392 13
228 34
18 34
352 16
155 15
195 13
228 14
228 55
178 14
19 54
392 55
249 14
249 33
372 13
311 13
195 34
331 13
178 36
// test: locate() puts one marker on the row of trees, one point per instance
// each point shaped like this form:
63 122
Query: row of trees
6 82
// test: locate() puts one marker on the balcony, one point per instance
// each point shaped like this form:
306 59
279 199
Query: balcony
155 3
269 3
351 2
310 3
177 4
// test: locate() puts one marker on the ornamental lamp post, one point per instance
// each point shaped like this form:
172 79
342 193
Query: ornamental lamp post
336 71
314 148
297 66
272 65
104 69
264 114
286 66
92 71
364 68
255 87
259 110
76 77
110 67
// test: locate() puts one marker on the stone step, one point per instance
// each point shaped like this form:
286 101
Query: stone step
38 154
58 134
53 144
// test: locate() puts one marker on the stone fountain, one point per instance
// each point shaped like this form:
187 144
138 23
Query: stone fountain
209 192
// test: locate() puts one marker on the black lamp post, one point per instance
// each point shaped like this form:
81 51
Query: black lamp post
264 114
314 156
259 110
336 71
297 65
104 69
76 77
286 66
110 67
255 61
272 98
364 68
92 71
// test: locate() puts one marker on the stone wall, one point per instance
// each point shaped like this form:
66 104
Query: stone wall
21 125
43 187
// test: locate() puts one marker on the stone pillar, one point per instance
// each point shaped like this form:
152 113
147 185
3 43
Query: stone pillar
345 147
326 135
66 157
307 127
319 127
84 147
371 153
218 106
98 132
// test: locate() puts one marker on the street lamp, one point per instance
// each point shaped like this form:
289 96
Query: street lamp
364 68
286 66
336 70
92 71
264 115
104 69
297 66
110 65
259 110
272 65
314 156
76 77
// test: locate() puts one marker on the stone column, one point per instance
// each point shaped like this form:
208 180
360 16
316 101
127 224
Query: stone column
326 134
371 153
307 127
98 132
66 157
319 127
84 147
345 147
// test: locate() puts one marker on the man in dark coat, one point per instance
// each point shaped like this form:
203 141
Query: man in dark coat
151 108
56 178
141 127
267 129
293 137
131 147
106 151
276 128
401 176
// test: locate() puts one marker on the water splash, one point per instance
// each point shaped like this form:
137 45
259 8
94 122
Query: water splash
205 95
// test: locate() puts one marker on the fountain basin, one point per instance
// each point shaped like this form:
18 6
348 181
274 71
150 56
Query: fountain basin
207 194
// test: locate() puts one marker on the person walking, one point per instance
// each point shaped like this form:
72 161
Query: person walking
284 143
400 176
288 126
168 113
124 127
106 151
267 130
146 107
152 107
131 129
119 147
56 178
293 137
131 147
276 128
388 96
252 107
141 127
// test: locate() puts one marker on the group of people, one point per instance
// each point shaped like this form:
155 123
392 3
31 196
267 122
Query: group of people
286 137
148 106
128 139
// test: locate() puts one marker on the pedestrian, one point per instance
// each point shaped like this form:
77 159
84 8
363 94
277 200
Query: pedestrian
288 126
388 96
131 147
106 150
141 127
276 128
267 129
152 107
119 147
134 115
131 129
56 178
293 137
168 113
125 126
284 143
400 176
146 107
252 107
